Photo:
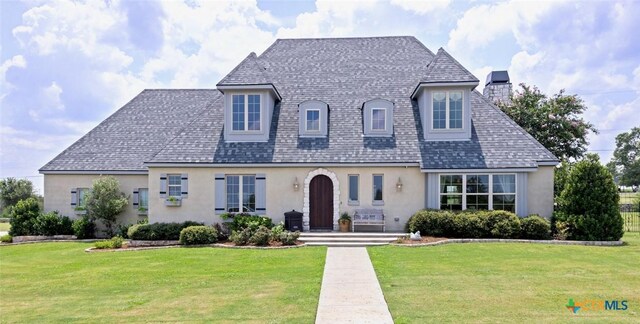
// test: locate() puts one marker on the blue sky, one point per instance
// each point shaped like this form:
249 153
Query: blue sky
67 65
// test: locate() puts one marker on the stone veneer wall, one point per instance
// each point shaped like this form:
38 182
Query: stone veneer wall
498 92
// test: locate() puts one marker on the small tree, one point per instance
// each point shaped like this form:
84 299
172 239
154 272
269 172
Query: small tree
589 201
105 202
13 190
23 217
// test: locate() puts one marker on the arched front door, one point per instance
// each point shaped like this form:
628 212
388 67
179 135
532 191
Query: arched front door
321 203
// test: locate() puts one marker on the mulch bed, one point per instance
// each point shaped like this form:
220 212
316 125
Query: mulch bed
425 239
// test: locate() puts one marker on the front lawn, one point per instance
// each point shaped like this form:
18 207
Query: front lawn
59 282
507 282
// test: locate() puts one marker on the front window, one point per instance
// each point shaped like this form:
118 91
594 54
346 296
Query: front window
481 192
313 120
245 112
377 187
353 188
378 119
82 197
241 193
447 110
175 185
143 198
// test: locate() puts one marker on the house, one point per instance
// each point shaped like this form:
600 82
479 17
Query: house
322 126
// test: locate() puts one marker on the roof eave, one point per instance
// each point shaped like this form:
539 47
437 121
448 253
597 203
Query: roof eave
250 86
472 84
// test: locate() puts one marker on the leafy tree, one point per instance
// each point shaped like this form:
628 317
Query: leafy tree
13 190
560 175
589 202
626 158
105 202
23 217
555 122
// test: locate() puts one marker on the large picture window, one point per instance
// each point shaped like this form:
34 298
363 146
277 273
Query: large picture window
245 112
241 193
447 110
481 192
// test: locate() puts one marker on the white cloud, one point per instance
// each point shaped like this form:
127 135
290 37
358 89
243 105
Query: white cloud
421 7
52 96
16 61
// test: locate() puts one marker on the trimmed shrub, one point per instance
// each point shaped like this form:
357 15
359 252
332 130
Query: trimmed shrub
114 243
289 238
501 224
432 222
223 231
241 237
276 231
23 217
160 231
589 203
535 227
194 235
53 224
6 238
84 228
468 224
261 236
253 222
132 229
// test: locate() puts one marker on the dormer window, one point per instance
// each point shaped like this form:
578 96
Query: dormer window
447 109
245 112
313 120
378 119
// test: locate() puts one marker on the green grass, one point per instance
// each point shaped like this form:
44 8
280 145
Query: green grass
5 227
59 282
508 283
629 197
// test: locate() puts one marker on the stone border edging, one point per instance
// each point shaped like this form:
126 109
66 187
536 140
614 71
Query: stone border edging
451 241
216 245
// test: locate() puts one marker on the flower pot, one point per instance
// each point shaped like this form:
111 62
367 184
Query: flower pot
344 226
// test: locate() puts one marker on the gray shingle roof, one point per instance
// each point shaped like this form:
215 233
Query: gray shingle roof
186 126
444 68
135 132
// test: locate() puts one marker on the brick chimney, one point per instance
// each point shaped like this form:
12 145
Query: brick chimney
498 87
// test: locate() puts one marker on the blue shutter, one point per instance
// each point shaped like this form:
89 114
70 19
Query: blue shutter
74 197
220 194
261 194
163 185
135 197
184 182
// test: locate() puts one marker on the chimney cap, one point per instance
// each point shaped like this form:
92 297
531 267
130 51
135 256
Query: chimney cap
497 77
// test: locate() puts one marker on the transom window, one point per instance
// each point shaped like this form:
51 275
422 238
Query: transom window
377 187
143 198
447 110
245 112
353 188
175 185
241 193
313 120
378 119
481 192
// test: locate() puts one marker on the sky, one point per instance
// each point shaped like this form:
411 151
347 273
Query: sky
67 65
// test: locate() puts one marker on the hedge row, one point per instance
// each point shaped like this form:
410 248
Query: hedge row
479 224
159 231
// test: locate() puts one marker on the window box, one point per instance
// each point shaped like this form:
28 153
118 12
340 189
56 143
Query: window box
173 202
142 211
80 211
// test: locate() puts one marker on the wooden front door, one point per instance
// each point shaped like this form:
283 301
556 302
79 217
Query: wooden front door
321 203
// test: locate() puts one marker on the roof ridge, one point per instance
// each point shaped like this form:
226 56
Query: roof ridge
456 62
237 67
345 37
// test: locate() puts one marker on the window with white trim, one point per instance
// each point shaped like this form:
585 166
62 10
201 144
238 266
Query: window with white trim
174 185
312 120
82 197
447 109
354 184
378 119
245 112
241 193
481 192
143 198
378 181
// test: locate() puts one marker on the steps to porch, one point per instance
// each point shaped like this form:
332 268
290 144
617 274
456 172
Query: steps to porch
338 239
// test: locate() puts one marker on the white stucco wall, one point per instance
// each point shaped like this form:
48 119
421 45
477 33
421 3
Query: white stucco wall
57 193
281 197
540 191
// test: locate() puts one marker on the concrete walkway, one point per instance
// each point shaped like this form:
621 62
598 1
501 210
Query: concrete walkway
350 290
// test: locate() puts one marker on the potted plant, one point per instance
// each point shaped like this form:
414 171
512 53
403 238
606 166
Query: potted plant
345 222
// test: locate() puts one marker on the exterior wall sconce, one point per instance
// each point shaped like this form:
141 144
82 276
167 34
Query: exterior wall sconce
296 185
399 185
